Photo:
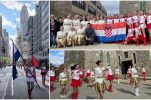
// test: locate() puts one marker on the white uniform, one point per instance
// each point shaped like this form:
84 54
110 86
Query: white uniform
61 35
76 23
30 74
137 30
122 19
62 76
129 20
80 31
116 20
67 24
99 74
75 75
149 19
109 21
142 21
134 72
84 23
52 73
135 19
110 71
88 70
72 34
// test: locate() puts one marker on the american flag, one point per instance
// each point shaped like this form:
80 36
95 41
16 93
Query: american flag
108 31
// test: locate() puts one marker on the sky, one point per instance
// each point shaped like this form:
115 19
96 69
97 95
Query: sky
112 7
56 57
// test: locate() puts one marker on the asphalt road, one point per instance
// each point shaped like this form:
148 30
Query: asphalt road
19 86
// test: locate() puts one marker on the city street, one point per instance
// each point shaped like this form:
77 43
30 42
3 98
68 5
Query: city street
19 90
121 91
108 46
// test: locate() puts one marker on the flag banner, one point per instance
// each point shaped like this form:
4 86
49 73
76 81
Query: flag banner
14 72
110 32
35 62
16 56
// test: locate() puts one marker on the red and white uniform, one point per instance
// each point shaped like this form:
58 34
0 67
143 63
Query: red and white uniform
149 22
135 20
129 72
52 75
129 21
109 21
142 21
143 71
116 20
43 70
138 32
88 72
81 74
122 19
110 74
76 78
130 35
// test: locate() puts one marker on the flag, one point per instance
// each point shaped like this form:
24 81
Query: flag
35 62
110 32
16 56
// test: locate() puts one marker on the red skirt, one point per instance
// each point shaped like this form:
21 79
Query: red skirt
110 77
149 26
43 73
134 25
88 74
52 78
129 74
130 38
143 73
141 37
81 76
76 83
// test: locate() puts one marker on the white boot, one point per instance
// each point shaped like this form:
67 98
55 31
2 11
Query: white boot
118 81
137 89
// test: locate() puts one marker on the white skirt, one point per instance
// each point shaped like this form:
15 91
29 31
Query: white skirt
30 79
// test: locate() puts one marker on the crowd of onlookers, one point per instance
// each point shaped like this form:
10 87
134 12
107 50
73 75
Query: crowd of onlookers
77 30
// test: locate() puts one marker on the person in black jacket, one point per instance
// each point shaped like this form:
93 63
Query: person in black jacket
90 35
53 34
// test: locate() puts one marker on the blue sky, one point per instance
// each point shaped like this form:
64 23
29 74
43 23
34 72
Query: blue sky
56 57
10 12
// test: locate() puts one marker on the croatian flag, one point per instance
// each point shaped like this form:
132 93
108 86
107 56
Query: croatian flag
110 32
16 55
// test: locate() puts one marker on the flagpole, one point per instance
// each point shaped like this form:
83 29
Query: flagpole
24 63
12 83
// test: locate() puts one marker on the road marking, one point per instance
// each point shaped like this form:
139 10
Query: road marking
12 85
5 89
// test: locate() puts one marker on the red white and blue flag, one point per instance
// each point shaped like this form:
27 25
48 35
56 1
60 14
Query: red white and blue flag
110 32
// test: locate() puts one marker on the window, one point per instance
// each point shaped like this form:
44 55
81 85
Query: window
91 10
99 7
126 54
79 4
94 2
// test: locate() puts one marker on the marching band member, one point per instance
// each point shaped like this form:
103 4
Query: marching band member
88 73
76 22
143 24
30 76
139 35
110 78
52 78
76 82
67 24
130 37
71 37
61 37
135 80
63 82
129 72
117 74
80 35
135 18
100 85
149 24
144 73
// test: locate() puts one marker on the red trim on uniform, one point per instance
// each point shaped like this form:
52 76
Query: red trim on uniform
130 38
81 76
110 77
52 78
88 74
149 26
75 83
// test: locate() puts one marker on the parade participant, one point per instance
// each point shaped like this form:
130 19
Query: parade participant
76 22
139 35
76 82
61 37
135 18
135 80
89 35
101 21
129 20
43 73
52 78
142 20
109 20
88 73
110 78
30 77
149 25
67 24
80 35
117 74
63 82
100 85
129 72
116 19
144 73
121 18
71 37
130 37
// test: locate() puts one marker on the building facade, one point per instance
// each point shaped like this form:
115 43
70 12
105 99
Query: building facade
64 8
120 59
131 6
